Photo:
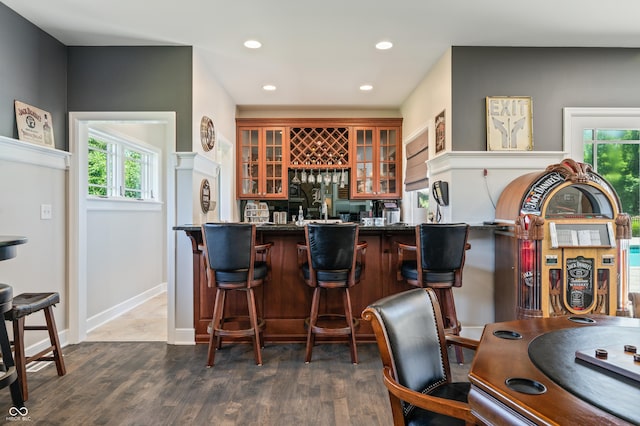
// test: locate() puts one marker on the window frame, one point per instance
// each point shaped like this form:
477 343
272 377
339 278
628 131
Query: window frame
150 179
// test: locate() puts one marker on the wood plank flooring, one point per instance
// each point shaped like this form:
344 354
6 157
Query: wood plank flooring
152 383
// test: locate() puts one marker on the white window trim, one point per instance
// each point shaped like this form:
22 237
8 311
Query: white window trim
577 119
77 230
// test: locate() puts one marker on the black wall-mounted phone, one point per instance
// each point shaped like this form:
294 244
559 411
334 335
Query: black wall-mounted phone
440 191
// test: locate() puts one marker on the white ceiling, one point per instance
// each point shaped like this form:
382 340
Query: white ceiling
318 53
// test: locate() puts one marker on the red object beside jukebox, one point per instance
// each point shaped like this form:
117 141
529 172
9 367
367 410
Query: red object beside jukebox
571 245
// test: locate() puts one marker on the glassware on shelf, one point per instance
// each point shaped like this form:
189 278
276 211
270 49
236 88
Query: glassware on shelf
336 177
295 179
303 176
326 178
311 178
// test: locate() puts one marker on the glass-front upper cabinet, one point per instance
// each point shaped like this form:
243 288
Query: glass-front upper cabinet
261 173
376 163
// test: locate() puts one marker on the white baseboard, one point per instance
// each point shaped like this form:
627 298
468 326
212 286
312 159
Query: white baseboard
183 336
472 332
117 310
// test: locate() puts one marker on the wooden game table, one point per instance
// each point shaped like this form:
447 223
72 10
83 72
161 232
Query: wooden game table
526 372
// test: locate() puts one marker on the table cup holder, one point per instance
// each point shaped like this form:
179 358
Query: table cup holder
528 386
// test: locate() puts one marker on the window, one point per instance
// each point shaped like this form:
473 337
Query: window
120 168
615 154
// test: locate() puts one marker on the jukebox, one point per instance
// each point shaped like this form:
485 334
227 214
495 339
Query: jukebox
566 245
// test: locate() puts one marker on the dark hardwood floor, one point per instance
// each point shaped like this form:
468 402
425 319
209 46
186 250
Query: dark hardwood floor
152 383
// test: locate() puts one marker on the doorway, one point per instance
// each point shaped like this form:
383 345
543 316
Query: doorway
121 252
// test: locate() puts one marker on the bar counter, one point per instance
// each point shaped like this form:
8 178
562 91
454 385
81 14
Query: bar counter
285 301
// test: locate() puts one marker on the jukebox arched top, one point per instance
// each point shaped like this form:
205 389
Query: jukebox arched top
566 190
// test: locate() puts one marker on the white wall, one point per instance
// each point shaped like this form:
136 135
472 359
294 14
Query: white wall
30 176
430 98
211 100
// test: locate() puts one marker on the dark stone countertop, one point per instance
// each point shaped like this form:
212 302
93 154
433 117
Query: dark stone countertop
291 227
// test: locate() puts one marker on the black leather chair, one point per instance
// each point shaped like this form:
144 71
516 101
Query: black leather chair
413 347
440 253
230 255
334 260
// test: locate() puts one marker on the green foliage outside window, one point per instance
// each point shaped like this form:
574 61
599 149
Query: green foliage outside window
102 165
97 167
132 174
619 163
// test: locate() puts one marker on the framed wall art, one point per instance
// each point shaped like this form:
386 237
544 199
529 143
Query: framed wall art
440 133
34 125
509 126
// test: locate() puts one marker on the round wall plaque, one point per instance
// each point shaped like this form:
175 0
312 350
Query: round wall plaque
205 196
207 133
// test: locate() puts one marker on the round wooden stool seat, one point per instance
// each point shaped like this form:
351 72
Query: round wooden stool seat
24 305
27 303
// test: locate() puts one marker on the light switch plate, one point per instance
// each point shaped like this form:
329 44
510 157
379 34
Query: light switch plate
45 211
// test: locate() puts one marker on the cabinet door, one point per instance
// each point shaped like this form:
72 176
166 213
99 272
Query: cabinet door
261 171
248 163
376 166
388 163
364 163
274 179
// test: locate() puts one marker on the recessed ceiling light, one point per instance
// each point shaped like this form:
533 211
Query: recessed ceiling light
366 87
252 44
269 87
384 45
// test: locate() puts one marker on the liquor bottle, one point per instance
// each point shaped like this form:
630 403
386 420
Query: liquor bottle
46 130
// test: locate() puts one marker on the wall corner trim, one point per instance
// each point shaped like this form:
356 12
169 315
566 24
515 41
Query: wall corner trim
196 162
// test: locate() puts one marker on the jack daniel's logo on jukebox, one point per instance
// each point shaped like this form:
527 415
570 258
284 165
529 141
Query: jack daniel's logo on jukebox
579 292
539 191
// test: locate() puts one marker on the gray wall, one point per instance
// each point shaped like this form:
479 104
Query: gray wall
553 77
149 78
33 69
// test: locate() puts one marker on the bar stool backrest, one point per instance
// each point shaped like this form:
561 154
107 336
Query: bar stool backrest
229 245
332 246
442 246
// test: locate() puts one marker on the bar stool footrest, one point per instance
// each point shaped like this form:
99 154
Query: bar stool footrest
332 331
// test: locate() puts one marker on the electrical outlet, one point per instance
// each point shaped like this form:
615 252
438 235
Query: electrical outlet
45 211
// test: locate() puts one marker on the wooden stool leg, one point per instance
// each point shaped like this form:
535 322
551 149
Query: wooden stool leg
449 312
349 317
55 341
16 387
215 324
222 305
253 318
313 319
20 357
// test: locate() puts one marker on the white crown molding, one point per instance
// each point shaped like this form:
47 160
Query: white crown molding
197 163
28 153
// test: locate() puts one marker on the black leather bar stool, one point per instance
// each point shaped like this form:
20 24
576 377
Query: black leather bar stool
24 305
335 260
234 262
9 374
440 255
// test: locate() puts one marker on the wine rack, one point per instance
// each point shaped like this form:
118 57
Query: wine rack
319 147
